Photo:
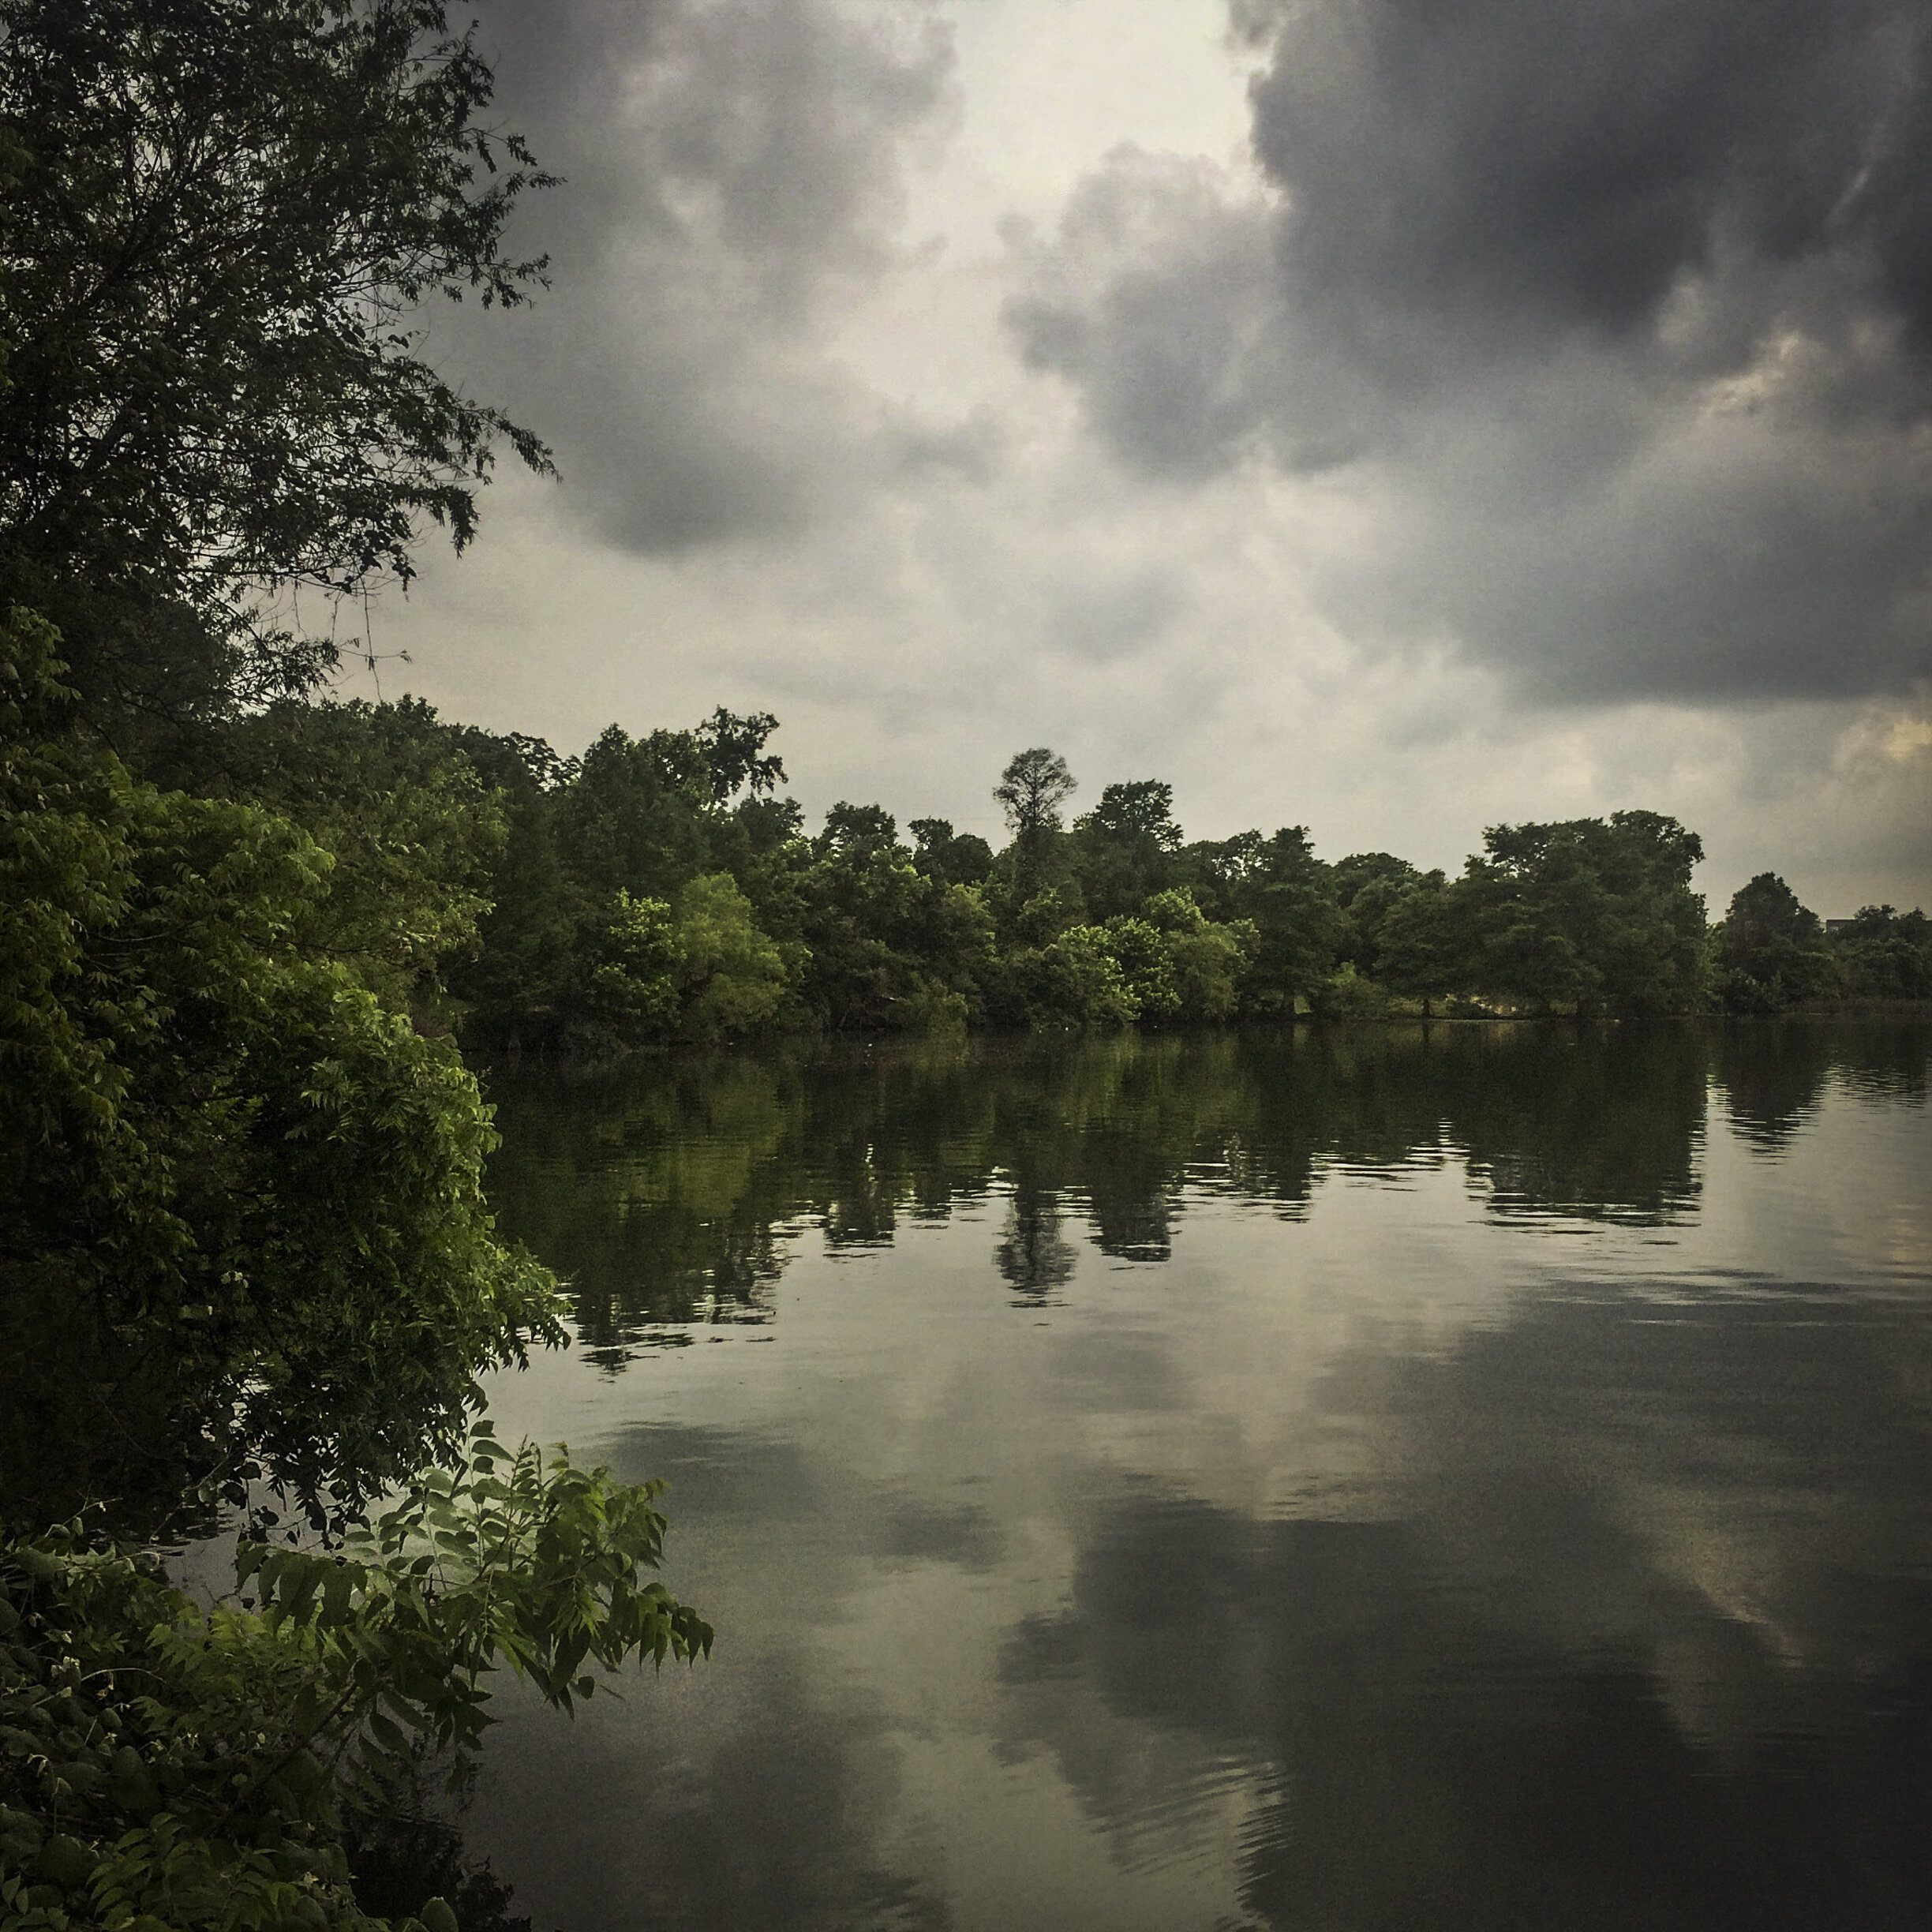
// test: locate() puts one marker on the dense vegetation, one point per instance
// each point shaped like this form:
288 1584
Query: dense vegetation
245 1252
663 889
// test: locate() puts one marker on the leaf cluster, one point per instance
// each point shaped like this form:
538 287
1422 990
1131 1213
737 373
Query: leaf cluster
163 1765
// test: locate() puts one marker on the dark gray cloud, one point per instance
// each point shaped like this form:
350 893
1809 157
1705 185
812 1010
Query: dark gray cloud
733 171
1622 313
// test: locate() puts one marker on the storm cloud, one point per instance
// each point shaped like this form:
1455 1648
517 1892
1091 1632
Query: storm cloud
732 176
1616 319
1389 417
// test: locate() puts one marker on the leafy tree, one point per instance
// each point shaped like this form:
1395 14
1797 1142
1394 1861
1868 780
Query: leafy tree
1123 849
1032 789
1590 913
958 859
858 833
697 968
637 815
629 967
518 987
1424 944
1146 965
766 825
1281 890
1885 954
1771 950
1207 961
1077 979
887 946
734 748
224 220
412 832
244 1230
1367 885
732 976
245 1239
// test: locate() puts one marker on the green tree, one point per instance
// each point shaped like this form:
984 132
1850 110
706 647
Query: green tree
630 966
1425 947
1590 914
1885 954
1076 980
518 987
888 945
1207 962
1146 965
958 858
244 1216
637 815
1771 950
732 975
1121 852
1284 892
412 832
734 748
1032 789
1367 885
224 222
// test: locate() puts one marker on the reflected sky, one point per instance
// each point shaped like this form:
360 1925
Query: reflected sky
1359 1480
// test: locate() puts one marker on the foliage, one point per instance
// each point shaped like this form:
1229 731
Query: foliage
1770 949
1592 913
410 828
1207 960
1119 920
1032 789
734 750
956 859
732 977
632 965
211 264
245 1217
1146 964
1885 954
1285 893
1423 941
885 944
161 1764
1124 848
1077 979
1367 885
245 1251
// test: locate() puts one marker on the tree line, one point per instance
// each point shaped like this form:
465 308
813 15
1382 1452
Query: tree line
664 888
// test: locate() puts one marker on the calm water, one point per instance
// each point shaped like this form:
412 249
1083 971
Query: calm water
1345 1481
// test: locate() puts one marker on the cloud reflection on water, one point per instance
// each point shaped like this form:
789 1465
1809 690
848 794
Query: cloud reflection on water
1504 1504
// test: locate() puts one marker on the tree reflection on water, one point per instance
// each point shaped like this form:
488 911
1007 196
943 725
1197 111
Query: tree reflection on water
665 1188
1456 1576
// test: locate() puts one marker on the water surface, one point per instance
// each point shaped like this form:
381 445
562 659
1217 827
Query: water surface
1476 1477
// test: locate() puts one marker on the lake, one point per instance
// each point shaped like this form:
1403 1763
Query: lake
1349 1478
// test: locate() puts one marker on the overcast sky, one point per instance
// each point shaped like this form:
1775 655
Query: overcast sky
1388 416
